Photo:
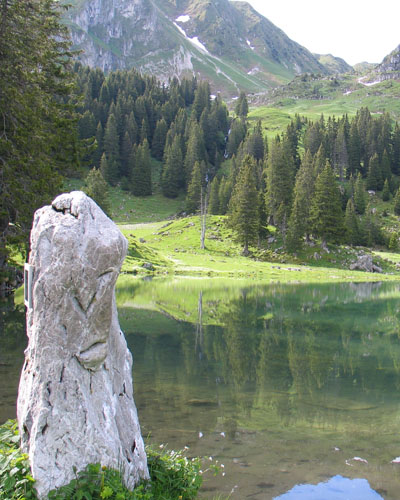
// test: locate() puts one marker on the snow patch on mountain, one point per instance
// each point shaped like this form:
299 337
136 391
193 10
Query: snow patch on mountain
195 40
183 19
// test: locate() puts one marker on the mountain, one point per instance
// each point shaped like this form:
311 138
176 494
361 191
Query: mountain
334 64
389 69
229 43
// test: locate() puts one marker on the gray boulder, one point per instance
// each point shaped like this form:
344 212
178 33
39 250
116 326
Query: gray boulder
365 263
75 402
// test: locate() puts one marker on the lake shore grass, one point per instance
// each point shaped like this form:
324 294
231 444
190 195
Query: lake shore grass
173 248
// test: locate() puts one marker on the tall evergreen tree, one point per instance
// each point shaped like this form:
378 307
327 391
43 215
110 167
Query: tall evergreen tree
172 174
386 191
37 128
160 135
351 224
396 150
300 213
141 173
374 177
242 106
213 203
326 214
279 176
111 150
97 189
196 151
396 206
194 189
360 201
243 207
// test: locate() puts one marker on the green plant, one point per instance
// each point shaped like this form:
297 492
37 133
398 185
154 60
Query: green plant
16 481
173 475
99 483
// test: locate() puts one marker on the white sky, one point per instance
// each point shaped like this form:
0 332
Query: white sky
355 30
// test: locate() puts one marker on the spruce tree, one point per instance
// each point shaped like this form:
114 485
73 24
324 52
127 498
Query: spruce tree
195 149
242 106
243 215
194 189
279 177
97 189
386 191
396 206
300 213
374 176
351 224
396 150
141 172
111 150
326 214
360 201
213 203
159 137
172 173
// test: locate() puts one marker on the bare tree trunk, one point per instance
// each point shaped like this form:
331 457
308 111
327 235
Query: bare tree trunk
203 208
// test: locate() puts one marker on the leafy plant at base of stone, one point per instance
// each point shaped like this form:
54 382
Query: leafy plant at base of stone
15 479
173 476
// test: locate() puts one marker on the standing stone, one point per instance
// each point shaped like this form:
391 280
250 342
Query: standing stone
75 401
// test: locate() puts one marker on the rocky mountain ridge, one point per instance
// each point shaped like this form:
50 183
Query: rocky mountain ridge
229 43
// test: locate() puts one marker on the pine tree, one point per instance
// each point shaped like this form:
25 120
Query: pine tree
243 208
396 150
280 176
354 156
97 189
194 189
341 161
300 213
38 129
374 177
396 206
394 242
195 149
360 201
236 135
326 214
224 194
242 106
172 174
351 224
159 137
213 203
111 150
109 169
141 171
386 191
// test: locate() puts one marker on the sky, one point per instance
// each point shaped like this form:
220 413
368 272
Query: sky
355 30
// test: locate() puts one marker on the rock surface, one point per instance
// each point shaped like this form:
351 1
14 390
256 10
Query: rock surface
365 263
75 402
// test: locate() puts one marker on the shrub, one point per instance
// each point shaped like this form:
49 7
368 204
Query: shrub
16 481
172 476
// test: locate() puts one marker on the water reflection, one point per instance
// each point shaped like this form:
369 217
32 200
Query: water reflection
299 379
284 384
337 488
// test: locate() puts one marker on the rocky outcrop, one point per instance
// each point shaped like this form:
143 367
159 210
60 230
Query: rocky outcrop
75 401
187 38
389 68
365 263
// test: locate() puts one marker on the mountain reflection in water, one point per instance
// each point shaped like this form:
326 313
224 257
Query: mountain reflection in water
284 384
337 488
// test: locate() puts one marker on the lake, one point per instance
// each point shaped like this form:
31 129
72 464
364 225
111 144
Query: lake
287 386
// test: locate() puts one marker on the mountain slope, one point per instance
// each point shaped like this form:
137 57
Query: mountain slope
228 43
389 69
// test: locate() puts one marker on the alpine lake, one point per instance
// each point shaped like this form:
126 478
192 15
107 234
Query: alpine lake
294 389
